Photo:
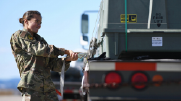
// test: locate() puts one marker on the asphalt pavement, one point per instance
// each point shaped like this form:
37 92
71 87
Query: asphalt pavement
10 98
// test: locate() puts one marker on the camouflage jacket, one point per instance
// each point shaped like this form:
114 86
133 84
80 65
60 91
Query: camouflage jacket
35 59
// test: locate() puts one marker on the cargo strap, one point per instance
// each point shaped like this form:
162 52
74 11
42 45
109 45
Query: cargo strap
62 78
152 83
126 24
83 92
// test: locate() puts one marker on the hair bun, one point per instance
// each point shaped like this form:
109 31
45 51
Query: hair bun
21 20
28 16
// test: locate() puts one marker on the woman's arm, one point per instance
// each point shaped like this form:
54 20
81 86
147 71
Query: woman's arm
23 41
56 64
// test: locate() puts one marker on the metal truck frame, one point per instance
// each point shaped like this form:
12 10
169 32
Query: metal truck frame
138 44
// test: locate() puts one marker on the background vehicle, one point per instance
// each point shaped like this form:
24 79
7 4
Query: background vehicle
140 58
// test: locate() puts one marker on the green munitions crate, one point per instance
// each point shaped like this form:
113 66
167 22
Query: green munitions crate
151 26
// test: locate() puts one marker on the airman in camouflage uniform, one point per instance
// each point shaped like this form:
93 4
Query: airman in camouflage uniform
35 58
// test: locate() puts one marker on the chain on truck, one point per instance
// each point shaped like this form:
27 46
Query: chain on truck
138 49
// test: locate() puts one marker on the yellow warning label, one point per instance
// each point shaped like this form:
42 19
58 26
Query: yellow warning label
131 18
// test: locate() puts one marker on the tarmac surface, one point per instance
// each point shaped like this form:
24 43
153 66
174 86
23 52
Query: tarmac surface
10 98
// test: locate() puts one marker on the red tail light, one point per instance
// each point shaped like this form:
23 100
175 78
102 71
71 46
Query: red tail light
113 77
139 80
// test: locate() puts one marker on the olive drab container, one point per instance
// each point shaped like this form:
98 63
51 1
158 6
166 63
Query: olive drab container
150 27
142 43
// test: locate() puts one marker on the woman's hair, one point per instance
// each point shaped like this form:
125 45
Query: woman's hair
28 15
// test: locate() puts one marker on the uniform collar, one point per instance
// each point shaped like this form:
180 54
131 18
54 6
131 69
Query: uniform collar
28 32
25 30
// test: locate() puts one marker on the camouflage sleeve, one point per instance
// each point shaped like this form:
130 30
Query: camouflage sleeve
57 63
37 48
14 43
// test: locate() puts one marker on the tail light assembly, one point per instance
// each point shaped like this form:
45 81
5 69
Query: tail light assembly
139 80
113 79
157 79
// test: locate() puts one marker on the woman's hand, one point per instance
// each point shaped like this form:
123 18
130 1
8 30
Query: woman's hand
72 55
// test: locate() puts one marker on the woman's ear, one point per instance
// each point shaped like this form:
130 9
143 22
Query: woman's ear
25 21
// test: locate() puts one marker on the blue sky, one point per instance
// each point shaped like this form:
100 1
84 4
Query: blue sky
60 26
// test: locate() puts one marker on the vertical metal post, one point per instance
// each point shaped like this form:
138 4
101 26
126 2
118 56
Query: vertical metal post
150 13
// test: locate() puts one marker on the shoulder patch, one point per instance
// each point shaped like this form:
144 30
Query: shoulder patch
30 37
